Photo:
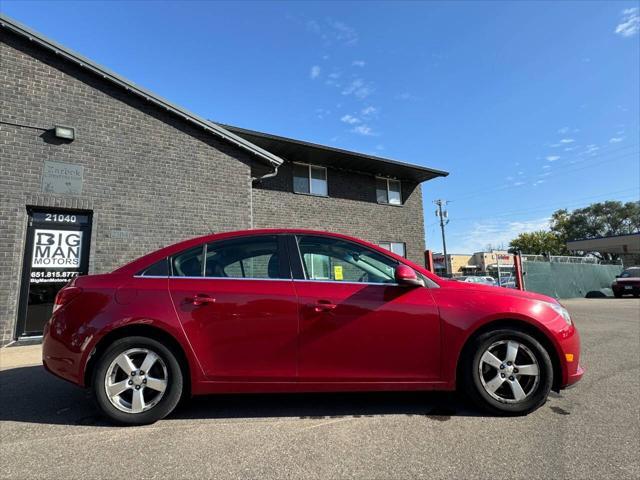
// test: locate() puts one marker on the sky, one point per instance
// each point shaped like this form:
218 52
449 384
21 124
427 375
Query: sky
531 106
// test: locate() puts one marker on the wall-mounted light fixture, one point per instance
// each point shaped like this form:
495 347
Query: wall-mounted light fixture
67 133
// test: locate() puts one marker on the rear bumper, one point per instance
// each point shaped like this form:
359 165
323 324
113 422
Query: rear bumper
58 357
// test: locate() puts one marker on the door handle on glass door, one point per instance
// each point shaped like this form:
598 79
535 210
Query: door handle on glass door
201 299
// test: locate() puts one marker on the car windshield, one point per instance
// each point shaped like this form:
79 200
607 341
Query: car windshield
630 272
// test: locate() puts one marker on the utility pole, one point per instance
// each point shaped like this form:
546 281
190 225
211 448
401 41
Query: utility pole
442 214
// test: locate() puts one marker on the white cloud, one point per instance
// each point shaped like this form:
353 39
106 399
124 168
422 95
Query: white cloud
358 63
333 31
370 110
629 24
358 88
405 96
493 232
537 182
517 184
343 33
380 147
314 72
365 130
616 139
564 130
351 120
552 158
590 150
546 166
567 140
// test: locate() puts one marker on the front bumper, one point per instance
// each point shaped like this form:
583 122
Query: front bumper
622 289
569 353
575 377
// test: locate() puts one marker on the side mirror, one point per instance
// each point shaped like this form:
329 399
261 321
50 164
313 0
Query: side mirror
407 276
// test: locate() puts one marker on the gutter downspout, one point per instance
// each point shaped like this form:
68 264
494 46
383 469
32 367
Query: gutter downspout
258 179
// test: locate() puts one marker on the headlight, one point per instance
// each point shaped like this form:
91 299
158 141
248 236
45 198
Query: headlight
560 310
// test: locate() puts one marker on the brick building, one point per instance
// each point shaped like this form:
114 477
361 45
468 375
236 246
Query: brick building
96 171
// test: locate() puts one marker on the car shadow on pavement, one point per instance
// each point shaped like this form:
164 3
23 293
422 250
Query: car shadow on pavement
32 395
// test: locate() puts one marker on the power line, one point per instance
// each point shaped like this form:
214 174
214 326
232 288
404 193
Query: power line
567 168
576 202
539 176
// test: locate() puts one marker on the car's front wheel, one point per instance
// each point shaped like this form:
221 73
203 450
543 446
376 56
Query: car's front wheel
507 372
137 381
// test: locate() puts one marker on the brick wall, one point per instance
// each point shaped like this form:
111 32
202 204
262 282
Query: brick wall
350 208
149 178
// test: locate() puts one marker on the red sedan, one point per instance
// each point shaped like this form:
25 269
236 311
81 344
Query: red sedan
300 311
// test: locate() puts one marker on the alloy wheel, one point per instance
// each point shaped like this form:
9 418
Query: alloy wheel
509 371
136 380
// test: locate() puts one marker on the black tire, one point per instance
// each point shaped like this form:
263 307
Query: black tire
473 384
617 294
167 400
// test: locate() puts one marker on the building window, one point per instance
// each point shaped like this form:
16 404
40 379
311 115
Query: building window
309 179
388 191
398 248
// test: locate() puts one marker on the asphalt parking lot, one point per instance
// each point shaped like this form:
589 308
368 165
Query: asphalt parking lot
48 428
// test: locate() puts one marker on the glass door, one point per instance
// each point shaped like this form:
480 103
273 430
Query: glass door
56 250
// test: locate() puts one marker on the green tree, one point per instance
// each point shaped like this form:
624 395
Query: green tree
538 243
597 220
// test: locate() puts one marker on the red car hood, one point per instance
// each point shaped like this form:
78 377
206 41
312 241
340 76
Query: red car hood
496 290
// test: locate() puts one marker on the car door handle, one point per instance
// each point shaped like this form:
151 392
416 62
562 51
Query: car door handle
323 306
201 299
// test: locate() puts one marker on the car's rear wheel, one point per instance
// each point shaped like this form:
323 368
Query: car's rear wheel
617 294
507 372
137 381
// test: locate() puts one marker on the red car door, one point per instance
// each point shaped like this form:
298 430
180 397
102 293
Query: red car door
356 323
236 301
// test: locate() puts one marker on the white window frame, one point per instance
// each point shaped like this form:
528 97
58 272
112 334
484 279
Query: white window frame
326 179
387 180
384 245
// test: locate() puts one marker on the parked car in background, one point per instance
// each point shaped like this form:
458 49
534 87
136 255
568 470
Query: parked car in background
300 311
627 283
475 279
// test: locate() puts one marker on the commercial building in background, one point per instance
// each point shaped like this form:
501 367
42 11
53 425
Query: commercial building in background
97 171
479 263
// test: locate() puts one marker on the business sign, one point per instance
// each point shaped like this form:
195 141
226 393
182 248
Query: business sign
56 249
58 177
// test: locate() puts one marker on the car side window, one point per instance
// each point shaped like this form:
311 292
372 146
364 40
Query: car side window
246 257
334 259
188 263
158 269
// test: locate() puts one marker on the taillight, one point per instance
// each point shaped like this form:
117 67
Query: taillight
65 295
